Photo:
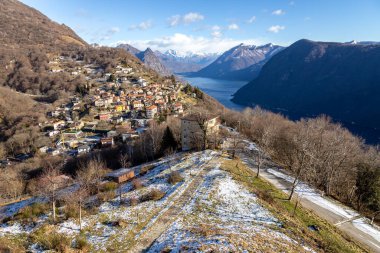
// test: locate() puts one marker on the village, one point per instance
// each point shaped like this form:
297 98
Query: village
118 106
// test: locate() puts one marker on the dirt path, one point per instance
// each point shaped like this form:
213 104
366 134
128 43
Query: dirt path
365 238
165 219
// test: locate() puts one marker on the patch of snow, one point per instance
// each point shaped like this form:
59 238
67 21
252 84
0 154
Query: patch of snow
236 203
222 204
363 225
305 191
70 227
251 146
11 229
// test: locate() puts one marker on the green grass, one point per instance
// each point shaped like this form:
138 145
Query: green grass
328 238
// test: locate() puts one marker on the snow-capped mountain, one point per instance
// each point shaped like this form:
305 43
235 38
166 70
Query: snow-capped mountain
149 58
363 43
180 62
242 62
188 54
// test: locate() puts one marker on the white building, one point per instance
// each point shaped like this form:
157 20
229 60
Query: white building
151 111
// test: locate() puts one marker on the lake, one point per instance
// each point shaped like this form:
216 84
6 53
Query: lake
221 90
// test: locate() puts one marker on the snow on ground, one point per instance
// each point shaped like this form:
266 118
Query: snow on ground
363 225
11 209
16 228
305 191
224 216
100 230
251 146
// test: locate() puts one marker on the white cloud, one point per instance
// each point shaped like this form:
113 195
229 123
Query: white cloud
187 43
216 31
192 17
114 30
251 20
233 27
276 28
188 18
145 25
105 35
278 12
174 20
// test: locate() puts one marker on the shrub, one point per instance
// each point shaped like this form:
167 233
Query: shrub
109 186
137 184
175 177
145 169
106 196
154 194
49 239
121 223
7 245
265 195
71 211
134 201
81 243
32 211
205 230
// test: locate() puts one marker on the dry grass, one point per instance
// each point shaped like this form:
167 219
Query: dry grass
175 177
145 169
137 184
328 238
10 246
206 230
48 238
154 194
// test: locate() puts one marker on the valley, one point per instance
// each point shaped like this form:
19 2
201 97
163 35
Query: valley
189 127
221 90
209 192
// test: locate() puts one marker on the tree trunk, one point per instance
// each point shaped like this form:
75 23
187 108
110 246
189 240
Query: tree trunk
295 207
374 216
53 211
80 215
119 193
293 188
258 165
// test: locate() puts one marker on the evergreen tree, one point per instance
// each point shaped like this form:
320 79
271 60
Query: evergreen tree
368 187
168 141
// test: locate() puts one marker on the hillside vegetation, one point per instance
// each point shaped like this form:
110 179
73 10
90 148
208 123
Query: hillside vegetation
312 78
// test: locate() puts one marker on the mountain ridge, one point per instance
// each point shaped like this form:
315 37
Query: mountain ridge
310 78
242 62
148 57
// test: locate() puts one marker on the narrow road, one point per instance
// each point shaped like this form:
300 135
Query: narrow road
355 227
165 219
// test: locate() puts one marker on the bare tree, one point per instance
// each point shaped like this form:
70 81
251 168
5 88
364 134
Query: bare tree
202 119
93 171
175 126
81 194
263 130
155 133
48 185
11 184
292 151
234 141
124 160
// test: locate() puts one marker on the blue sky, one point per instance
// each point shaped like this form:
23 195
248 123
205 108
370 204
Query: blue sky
214 26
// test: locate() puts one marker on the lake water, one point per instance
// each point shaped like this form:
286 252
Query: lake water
221 90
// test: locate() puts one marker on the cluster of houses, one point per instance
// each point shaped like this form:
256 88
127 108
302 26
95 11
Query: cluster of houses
118 105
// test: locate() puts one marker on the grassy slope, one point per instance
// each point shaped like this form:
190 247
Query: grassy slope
328 238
